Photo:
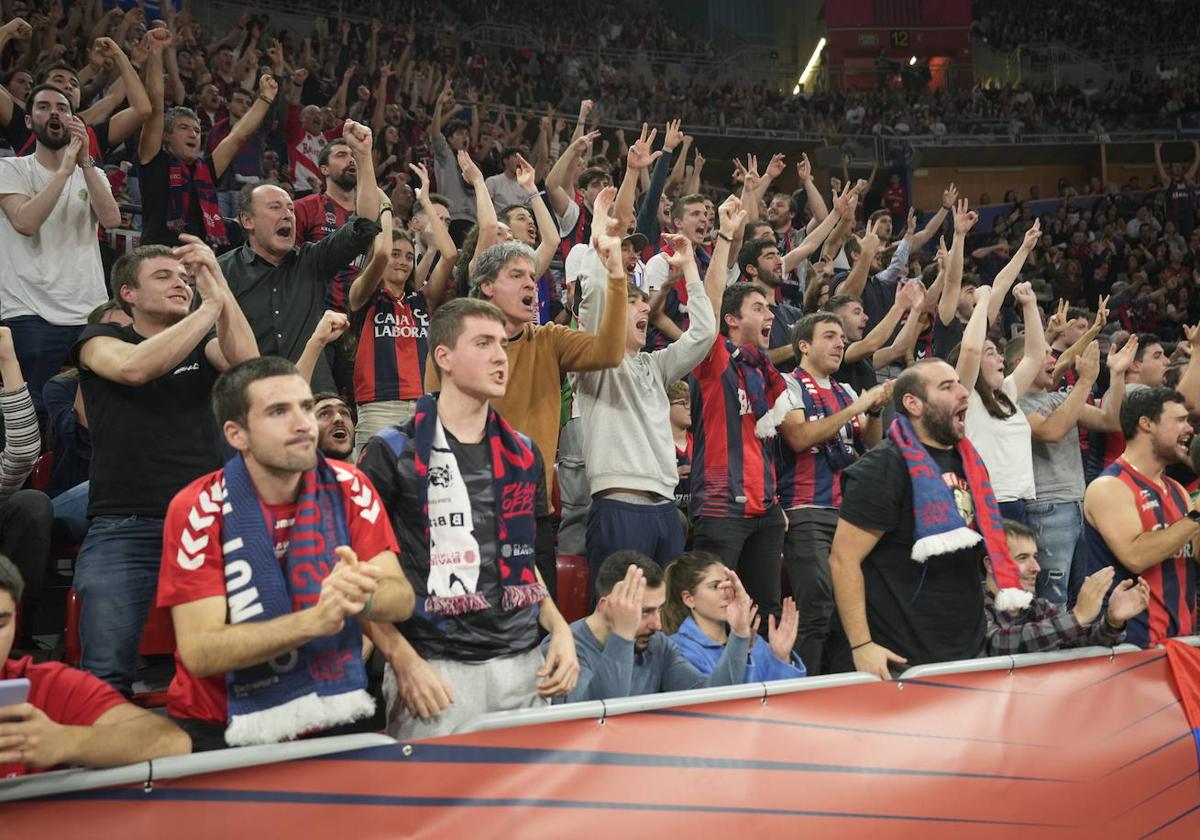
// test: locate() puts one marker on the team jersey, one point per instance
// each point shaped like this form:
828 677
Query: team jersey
1172 609
733 470
813 478
392 347
317 216
683 458
580 230
304 149
1178 200
193 565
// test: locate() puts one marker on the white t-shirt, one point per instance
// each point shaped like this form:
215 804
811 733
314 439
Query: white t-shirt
56 273
658 271
1004 445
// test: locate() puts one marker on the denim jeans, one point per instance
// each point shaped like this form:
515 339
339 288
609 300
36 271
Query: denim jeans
116 576
1058 526
70 508
42 349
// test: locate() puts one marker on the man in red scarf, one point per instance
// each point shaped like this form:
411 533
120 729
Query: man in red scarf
179 190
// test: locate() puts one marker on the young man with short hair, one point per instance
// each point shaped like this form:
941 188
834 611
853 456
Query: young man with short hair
246 166
1141 522
466 492
69 717
1044 625
829 428
622 651
146 390
738 399
335 426
269 564
52 201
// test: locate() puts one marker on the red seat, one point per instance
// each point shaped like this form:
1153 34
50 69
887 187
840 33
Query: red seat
158 639
574 595
40 476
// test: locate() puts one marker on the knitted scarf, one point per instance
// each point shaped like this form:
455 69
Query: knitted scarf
938 527
322 683
764 387
819 403
181 179
452 585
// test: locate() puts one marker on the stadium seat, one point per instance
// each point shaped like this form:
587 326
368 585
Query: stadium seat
40 477
158 639
574 596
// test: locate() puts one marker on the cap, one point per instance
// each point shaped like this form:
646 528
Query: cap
637 240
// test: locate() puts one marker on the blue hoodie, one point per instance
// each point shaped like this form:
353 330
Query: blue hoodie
704 653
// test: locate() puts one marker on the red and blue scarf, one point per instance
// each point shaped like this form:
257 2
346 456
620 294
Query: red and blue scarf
323 682
763 385
182 179
938 526
515 480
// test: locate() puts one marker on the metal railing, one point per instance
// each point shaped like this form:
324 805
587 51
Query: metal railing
145 772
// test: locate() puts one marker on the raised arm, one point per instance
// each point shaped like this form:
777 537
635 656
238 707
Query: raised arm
842 205
547 229
1009 274
328 330
16 29
1190 175
816 202
150 141
949 196
126 122
732 219
1036 348
868 245
1163 177
1189 383
1068 356
228 148
558 179
485 210
371 276
910 295
964 219
970 353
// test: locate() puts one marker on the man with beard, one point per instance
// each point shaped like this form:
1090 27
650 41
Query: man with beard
306 134
1142 523
246 166
829 428
917 518
863 354
335 426
269 566
622 651
103 134
52 201
179 188
320 214
280 287
146 391
762 264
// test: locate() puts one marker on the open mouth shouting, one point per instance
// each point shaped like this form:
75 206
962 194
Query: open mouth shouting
339 433
530 302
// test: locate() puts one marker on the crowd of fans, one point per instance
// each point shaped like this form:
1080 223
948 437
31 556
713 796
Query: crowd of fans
378 357
1087 25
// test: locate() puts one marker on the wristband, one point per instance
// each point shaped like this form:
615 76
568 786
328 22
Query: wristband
726 238
366 610
875 412
864 644
1108 622
269 102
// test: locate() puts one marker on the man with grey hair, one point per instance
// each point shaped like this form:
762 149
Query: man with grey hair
539 354
179 189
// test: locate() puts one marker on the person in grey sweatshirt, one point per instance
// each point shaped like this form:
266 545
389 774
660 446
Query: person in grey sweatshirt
621 649
627 444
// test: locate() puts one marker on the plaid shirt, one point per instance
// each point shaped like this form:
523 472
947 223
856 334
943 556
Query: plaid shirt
1042 626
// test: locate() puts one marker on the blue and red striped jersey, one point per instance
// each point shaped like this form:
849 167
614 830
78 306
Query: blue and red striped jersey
392 344
813 478
317 216
581 234
733 470
1172 609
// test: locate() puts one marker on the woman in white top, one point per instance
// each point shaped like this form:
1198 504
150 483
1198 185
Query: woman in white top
996 426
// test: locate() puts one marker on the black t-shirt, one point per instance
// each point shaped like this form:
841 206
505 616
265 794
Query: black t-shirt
925 612
858 375
154 180
148 441
474 636
946 336
786 317
878 297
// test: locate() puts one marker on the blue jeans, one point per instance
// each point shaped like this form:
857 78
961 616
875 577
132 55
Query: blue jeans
42 349
116 576
1058 526
70 507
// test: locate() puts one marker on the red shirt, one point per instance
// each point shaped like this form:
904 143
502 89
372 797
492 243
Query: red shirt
895 199
193 566
317 216
66 695
304 149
